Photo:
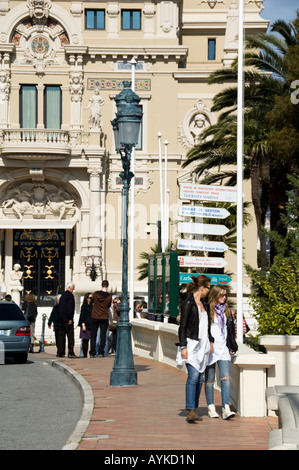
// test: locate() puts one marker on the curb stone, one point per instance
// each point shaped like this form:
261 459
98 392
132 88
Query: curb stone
88 404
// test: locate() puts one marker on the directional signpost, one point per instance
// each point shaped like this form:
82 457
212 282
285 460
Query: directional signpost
207 229
201 261
223 279
201 245
202 211
198 192
208 193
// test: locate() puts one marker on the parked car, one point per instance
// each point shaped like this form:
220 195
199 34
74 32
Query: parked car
14 332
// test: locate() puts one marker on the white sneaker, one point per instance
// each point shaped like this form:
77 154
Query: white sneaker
212 412
227 413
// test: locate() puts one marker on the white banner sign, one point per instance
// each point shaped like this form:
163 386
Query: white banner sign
207 229
201 245
201 211
201 262
208 193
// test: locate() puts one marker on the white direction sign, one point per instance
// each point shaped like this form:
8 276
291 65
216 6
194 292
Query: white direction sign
207 229
201 211
201 245
196 262
208 193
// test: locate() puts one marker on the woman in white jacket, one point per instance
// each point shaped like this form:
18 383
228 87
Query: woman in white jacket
223 332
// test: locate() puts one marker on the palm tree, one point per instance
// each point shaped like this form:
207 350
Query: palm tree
217 146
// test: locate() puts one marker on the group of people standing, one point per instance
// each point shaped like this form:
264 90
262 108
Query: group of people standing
206 338
97 311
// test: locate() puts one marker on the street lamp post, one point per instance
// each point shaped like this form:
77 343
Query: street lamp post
126 127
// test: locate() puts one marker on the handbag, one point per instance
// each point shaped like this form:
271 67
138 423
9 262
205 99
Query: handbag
112 326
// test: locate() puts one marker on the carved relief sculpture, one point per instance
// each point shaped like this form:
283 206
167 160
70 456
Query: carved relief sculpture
42 201
196 120
4 96
76 86
39 10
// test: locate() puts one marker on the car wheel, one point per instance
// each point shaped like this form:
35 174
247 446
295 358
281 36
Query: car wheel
21 358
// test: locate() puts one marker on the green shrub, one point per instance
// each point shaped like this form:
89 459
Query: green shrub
275 297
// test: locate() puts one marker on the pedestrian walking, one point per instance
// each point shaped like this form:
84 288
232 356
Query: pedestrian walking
114 317
85 322
66 321
54 319
195 341
29 309
223 332
102 300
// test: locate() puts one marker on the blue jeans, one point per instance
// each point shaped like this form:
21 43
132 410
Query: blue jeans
193 387
224 371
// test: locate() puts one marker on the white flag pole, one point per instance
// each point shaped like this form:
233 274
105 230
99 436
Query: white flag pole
161 194
240 146
166 215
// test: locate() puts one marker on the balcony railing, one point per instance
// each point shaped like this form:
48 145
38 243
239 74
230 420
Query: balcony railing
18 143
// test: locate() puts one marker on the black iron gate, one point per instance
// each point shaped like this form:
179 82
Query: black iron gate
41 254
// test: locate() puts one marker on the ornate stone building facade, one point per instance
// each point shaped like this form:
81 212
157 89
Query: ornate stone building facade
61 65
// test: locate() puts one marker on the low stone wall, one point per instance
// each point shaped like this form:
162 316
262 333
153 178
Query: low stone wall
155 340
284 400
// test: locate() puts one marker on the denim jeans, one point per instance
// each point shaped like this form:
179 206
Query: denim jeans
224 371
193 387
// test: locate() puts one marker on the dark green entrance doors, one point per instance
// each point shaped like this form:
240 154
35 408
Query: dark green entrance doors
41 254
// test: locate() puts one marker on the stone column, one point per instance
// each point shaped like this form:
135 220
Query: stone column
94 235
40 104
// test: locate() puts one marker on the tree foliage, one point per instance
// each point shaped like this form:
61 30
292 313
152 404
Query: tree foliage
275 294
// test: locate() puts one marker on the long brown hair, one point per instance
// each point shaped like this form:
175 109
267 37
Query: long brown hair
213 301
30 298
197 282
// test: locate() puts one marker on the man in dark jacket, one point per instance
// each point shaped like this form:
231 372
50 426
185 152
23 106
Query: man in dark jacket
66 321
100 318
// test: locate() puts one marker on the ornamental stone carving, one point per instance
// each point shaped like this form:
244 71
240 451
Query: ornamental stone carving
195 122
39 10
37 201
76 86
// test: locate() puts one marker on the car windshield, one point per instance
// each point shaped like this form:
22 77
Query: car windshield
10 312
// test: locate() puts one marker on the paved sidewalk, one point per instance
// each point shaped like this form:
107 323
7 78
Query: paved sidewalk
151 415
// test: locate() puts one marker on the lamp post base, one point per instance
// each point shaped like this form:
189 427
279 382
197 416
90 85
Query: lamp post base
123 373
123 378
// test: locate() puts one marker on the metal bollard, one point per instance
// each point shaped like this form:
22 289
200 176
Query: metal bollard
81 349
42 341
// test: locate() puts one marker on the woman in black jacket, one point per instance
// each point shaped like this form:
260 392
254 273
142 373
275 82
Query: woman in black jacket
223 331
195 341
85 321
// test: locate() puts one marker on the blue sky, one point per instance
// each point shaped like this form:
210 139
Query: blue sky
280 9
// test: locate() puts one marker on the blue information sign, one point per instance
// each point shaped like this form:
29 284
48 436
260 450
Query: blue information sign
185 278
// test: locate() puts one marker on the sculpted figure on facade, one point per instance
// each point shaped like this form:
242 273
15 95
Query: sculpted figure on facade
4 96
14 284
4 86
195 122
95 104
76 86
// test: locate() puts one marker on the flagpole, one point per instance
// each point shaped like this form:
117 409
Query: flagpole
166 215
240 147
161 194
